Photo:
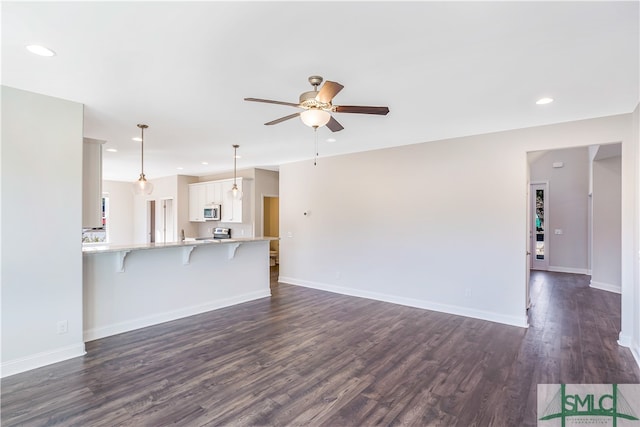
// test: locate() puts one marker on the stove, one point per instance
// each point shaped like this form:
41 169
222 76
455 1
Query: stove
221 233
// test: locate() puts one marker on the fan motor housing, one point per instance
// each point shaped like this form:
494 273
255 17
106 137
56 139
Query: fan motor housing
308 100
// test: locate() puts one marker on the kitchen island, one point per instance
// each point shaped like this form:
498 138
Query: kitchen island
126 287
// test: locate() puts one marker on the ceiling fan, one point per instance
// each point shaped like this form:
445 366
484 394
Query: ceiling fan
316 105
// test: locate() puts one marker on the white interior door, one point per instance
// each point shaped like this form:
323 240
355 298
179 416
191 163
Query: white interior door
165 226
539 239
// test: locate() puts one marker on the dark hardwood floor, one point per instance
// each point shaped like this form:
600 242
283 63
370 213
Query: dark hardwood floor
307 357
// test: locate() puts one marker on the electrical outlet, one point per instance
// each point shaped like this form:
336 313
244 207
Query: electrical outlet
62 327
467 292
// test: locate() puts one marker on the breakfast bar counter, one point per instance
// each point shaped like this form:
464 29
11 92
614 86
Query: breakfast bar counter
127 287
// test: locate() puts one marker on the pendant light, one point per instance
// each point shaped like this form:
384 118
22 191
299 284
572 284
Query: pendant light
142 186
235 191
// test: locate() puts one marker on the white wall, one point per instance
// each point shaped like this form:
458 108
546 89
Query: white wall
607 214
163 188
630 334
439 225
568 208
190 228
120 224
41 264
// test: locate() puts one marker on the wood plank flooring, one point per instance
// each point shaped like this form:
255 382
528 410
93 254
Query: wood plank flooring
307 357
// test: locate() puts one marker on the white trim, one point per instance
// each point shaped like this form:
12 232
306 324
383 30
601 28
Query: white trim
635 350
412 302
39 360
143 322
571 270
606 287
540 264
625 341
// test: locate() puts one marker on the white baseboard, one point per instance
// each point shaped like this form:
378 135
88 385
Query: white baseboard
625 341
412 302
605 287
573 270
39 360
635 350
143 322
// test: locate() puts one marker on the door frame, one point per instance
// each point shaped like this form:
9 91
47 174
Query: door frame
536 264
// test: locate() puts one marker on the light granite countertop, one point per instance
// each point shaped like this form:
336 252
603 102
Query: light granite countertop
104 248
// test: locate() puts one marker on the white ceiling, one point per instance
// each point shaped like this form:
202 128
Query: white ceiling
444 69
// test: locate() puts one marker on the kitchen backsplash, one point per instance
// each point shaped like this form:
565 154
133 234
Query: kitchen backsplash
237 230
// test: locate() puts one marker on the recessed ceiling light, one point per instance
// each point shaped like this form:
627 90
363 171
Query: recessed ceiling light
543 101
179 168
205 163
112 150
331 140
40 50
137 139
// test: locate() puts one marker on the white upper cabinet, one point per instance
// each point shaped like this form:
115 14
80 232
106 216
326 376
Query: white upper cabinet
197 200
214 193
92 183
230 206
204 194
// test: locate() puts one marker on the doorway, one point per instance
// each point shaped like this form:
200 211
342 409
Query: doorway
271 226
165 232
538 238
161 224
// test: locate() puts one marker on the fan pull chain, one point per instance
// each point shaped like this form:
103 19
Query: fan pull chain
315 133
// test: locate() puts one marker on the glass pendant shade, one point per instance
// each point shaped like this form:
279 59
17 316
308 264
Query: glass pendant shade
142 186
315 118
235 192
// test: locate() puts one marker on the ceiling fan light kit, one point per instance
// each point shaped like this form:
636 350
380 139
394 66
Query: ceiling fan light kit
142 186
317 106
315 118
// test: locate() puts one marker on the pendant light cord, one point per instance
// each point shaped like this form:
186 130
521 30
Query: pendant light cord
142 128
235 159
142 151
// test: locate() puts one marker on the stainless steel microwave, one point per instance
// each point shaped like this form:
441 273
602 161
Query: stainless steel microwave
212 212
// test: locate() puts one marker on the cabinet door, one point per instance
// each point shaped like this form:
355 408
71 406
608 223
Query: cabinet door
214 193
231 207
227 201
92 183
196 202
